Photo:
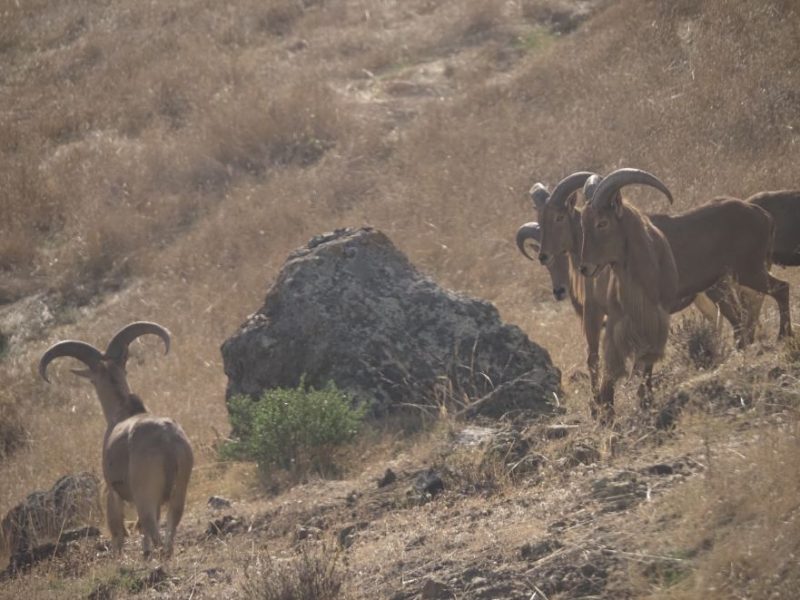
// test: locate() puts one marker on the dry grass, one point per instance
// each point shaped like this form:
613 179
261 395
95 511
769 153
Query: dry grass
315 574
158 161
738 523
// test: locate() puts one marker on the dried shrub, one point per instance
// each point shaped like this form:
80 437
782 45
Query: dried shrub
480 17
791 350
743 538
293 126
699 340
559 16
315 574
12 430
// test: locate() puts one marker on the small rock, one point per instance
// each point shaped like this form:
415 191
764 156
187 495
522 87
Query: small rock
305 533
218 502
533 552
217 574
429 482
556 432
776 373
435 590
347 535
477 582
155 578
659 469
298 46
225 525
583 454
388 478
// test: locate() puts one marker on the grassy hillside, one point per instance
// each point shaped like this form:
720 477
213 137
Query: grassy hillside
159 160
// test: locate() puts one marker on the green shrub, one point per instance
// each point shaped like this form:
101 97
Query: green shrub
293 429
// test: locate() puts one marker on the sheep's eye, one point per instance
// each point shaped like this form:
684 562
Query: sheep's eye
559 218
602 224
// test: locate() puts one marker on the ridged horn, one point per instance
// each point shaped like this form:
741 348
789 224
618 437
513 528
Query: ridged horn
117 349
567 186
590 187
86 353
529 231
539 194
618 179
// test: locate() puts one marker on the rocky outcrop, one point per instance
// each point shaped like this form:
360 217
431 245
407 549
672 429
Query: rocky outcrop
42 516
350 308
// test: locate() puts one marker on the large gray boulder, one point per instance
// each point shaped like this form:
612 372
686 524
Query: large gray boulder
350 308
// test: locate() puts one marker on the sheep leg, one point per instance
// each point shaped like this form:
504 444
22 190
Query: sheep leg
710 311
115 518
762 281
177 500
723 293
602 407
614 351
148 523
751 302
779 290
645 391
146 496
592 329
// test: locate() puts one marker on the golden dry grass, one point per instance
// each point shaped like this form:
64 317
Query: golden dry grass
158 161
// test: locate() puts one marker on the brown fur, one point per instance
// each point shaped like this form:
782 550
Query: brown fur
784 207
588 296
726 237
642 289
147 460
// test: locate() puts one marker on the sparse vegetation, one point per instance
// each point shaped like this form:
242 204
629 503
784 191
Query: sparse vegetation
161 159
292 429
697 339
792 350
316 573
740 522
12 430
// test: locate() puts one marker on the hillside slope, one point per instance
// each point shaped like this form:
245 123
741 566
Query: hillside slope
158 161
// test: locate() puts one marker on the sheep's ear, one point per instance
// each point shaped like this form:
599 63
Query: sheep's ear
87 373
539 194
617 204
573 198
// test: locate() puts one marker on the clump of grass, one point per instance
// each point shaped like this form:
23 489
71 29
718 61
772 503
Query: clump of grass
791 350
699 340
476 469
557 15
742 539
292 429
129 581
315 574
480 17
12 430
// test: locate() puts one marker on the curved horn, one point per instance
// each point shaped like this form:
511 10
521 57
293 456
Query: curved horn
539 194
529 231
117 349
567 186
616 180
86 353
590 187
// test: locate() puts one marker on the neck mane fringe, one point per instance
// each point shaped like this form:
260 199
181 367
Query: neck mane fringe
636 289
134 405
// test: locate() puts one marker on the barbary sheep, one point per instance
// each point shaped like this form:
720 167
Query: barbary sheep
147 460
